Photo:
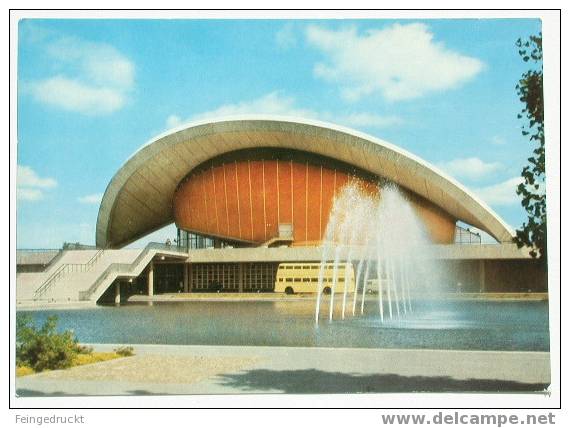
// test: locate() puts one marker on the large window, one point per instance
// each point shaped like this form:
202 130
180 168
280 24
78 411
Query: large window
215 277
254 277
192 241
259 277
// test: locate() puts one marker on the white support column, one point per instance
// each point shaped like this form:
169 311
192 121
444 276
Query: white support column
117 292
151 279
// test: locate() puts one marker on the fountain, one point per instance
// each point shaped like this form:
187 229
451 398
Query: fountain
375 232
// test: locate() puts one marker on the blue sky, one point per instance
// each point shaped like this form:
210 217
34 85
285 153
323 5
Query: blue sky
91 92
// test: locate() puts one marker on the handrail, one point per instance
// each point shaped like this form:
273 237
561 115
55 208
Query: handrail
94 259
64 269
466 236
127 267
58 256
45 285
112 268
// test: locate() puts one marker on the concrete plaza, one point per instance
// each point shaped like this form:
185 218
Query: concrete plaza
173 369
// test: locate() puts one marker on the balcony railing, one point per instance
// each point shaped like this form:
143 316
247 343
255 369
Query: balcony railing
465 236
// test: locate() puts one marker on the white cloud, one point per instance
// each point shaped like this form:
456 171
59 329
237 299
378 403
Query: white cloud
72 95
399 62
502 193
99 62
30 32
279 104
173 121
272 103
470 168
27 177
93 199
285 36
96 78
30 186
27 194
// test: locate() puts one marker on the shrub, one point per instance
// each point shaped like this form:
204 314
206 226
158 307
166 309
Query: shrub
84 349
44 348
124 351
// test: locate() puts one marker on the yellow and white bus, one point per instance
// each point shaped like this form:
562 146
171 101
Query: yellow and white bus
304 278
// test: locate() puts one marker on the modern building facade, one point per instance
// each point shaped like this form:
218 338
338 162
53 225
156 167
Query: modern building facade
238 179
249 192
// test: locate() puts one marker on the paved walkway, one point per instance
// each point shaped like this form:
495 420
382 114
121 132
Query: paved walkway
30 305
164 370
280 297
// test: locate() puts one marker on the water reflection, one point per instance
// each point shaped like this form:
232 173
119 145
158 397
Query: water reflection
435 325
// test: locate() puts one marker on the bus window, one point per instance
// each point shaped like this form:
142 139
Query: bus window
304 277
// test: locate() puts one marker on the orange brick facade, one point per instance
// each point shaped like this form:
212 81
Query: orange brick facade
246 200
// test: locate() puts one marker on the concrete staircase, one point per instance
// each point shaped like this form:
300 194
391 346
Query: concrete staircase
128 270
28 283
83 276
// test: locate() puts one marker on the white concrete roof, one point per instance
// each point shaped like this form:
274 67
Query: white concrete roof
138 200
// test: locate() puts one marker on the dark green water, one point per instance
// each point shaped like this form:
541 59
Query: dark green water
471 325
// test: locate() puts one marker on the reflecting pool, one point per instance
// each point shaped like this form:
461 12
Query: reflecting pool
470 325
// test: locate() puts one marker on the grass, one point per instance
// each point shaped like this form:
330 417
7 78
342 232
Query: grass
79 360
24 371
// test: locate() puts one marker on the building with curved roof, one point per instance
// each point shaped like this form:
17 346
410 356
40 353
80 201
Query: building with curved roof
245 179
259 190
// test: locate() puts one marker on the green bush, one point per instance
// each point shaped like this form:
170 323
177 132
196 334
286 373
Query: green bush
44 348
124 351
